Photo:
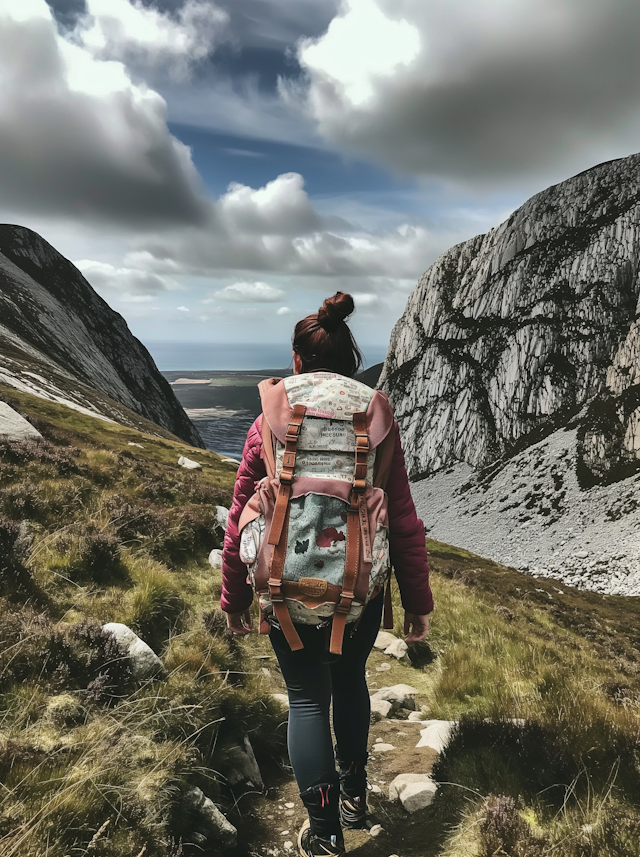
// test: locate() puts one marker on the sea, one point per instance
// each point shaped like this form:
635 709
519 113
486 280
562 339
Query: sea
224 414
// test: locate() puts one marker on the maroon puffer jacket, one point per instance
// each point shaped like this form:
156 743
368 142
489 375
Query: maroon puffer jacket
406 532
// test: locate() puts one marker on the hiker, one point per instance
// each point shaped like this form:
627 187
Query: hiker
321 509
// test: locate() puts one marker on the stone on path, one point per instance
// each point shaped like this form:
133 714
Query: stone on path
144 661
400 696
398 650
380 708
15 427
382 748
189 464
384 639
210 822
436 734
414 791
215 558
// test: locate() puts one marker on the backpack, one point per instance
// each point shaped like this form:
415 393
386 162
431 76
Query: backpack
315 533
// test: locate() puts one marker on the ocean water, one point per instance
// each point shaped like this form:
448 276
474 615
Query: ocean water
226 434
182 356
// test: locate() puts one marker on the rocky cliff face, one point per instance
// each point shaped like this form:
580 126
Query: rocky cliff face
512 333
60 340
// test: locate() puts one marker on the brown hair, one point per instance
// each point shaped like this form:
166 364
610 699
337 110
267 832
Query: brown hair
323 340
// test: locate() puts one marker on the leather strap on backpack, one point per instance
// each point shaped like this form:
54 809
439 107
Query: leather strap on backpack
354 510
280 528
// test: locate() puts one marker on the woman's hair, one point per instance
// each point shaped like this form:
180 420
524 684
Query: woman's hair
323 340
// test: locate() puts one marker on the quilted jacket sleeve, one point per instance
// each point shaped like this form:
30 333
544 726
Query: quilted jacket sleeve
237 593
406 539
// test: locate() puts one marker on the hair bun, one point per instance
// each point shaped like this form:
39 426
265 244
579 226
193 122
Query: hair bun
335 310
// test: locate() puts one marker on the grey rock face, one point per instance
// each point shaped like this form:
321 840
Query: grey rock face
60 340
520 328
243 767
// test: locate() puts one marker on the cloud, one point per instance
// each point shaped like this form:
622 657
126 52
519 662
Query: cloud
79 139
477 91
276 229
281 207
131 281
143 36
249 292
283 310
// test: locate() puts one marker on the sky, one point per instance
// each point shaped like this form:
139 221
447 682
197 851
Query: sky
216 169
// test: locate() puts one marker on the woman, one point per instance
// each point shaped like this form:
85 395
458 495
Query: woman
314 679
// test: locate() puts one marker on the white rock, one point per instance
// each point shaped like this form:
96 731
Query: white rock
282 698
416 717
288 845
144 661
289 805
381 668
436 734
382 748
15 427
399 695
380 708
215 558
384 639
398 649
139 445
376 830
230 461
188 463
414 791
376 789
222 516
211 823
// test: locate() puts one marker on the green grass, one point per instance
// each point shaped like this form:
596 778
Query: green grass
93 530
565 666
543 679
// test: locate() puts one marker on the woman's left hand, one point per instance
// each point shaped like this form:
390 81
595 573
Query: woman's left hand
417 625
239 623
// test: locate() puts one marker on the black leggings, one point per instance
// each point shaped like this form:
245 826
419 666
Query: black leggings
313 677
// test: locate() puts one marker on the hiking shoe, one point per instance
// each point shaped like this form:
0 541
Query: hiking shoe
353 812
312 846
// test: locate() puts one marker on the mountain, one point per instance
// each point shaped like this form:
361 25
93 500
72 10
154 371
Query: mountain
531 331
61 341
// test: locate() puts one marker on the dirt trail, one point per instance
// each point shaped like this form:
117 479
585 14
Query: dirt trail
268 825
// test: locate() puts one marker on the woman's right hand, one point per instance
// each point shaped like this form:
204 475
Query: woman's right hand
239 623
417 625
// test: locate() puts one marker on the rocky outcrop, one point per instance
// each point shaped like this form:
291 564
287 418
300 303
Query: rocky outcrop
510 334
61 341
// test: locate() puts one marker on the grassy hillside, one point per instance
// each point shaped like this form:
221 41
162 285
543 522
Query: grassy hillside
545 680
94 530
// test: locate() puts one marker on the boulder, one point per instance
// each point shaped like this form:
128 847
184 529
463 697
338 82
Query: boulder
210 825
380 708
398 650
436 734
222 516
384 639
215 558
414 791
144 661
189 464
242 766
400 696
15 427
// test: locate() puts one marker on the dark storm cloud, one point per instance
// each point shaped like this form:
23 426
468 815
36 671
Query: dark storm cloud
543 86
79 140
